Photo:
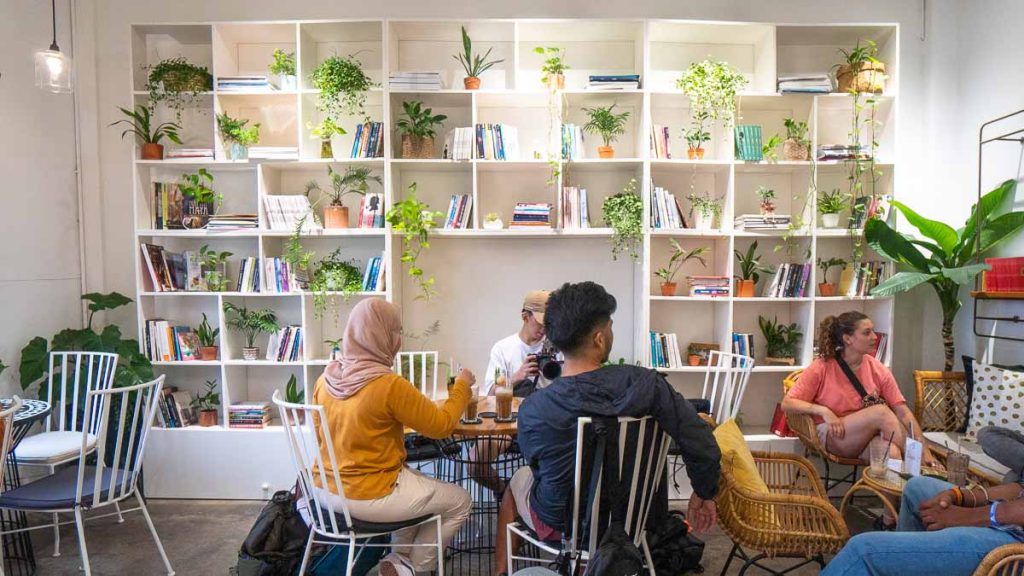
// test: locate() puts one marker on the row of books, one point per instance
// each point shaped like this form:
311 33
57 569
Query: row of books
285 345
243 83
743 344
531 215
613 82
1006 275
572 142
373 276
665 210
172 271
859 280
789 281
277 276
762 222
709 286
249 415
660 139
400 80
867 207
249 276
665 350
497 142
459 143
175 408
371 210
368 141
459 209
166 208
806 84
166 341
232 222
284 212
575 208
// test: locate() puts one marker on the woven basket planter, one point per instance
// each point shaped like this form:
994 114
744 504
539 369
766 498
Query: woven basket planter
793 150
869 77
417 147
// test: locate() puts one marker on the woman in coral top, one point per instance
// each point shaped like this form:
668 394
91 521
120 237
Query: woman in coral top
847 420
367 408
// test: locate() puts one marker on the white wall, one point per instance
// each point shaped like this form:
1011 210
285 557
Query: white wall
39 242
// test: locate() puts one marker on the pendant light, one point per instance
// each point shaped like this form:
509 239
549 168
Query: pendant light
53 67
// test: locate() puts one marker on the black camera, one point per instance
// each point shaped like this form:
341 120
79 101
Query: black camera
548 363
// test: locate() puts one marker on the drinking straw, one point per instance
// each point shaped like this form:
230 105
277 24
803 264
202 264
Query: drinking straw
889 446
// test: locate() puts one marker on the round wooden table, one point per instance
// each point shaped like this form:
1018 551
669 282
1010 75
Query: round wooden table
488 426
886 487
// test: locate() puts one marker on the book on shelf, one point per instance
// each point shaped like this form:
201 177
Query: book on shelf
531 215
748 142
198 153
459 209
1006 275
409 80
368 141
248 275
459 143
373 276
371 210
165 210
572 142
249 415
762 222
666 213
789 281
243 83
274 152
285 345
575 208
165 341
806 83
709 286
613 82
880 346
660 139
743 344
277 276
841 152
285 211
233 222
175 408
665 350
855 281
497 142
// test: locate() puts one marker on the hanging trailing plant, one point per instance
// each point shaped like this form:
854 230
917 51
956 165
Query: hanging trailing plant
414 220
712 88
178 84
333 275
343 86
623 213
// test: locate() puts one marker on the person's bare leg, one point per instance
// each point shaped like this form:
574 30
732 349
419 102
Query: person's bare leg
506 515
480 457
863 425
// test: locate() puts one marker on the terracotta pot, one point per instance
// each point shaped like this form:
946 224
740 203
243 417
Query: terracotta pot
745 288
471 83
794 151
691 153
700 153
207 352
693 360
251 353
826 289
326 149
152 151
605 152
668 288
336 217
868 77
207 417
417 147
830 220
555 82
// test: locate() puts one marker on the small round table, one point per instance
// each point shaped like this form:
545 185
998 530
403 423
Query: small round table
19 557
887 487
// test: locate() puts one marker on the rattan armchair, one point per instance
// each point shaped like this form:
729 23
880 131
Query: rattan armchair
1006 560
941 400
794 520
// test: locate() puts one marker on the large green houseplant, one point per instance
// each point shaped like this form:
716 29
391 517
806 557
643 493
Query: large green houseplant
251 323
712 88
178 83
140 123
623 213
343 86
949 257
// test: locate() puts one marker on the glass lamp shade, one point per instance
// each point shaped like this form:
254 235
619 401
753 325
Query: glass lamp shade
53 71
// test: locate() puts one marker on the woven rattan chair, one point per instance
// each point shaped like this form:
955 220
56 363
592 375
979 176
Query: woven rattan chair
1006 560
941 400
794 520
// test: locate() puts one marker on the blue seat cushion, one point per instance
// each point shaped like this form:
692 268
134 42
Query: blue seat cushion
57 491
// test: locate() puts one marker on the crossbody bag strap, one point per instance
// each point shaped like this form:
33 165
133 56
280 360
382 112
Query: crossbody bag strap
852 377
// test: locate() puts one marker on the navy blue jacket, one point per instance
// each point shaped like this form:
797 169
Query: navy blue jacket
547 430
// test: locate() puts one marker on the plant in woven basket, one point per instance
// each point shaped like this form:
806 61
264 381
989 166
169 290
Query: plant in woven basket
343 86
796 147
782 341
554 66
861 70
140 123
414 220
178 84
418 127
609 125
623 213
473 64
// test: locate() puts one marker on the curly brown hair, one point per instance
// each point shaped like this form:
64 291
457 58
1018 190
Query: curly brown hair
833 328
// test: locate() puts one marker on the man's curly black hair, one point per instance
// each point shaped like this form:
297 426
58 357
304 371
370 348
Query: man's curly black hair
573 311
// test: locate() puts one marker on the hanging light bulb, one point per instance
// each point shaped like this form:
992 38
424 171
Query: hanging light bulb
53 67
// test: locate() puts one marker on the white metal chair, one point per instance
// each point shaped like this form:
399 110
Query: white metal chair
421 369
70 377
725 382
643 449
6 436
121 419
326 526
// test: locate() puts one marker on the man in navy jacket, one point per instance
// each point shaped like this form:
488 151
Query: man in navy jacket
578 322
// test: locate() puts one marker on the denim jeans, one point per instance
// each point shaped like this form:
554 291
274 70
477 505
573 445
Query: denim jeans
911 550
1006 447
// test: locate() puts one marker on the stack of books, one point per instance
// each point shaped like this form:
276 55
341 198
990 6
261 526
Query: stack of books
531 215
659 142
806 83
1005 275
249 276
285 345
232 222
249 415
665 351
373 277
167 342
188 153
277 277
285 211
789 281
709 286
459 209
743 344
172 271
572 142
761 222
371 210
497 142
612 82
575 208
414 81
858 281
665 210
839 152
274 152
175 408
166 209
369 141
243 83
459 144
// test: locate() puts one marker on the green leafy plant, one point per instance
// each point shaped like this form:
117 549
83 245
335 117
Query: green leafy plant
623 213
334 274
197 186
705 205
697 136
827 265
950 258
553 65
209 399
712 88
355 180
140 123
750 263
326 129
680 257
414 220
343 86
419 121
284 63
2 367
859 55
605 122
235 130
292 394
178 84
796 131
832 202
781 340
473 64
767 198
769 149
213 266
491 217
207 334
251 323
335 344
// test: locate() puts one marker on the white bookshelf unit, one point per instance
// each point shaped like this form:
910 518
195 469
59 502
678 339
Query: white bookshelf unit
482 274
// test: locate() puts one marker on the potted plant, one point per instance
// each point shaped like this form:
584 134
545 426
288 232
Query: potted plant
493 222
553 68
473 64
199 200
824 287
355 180
283 67
675 262
293 395
781 340
325 131
333 274
750 268
861 71
623 213
830 204
414 220
712 88
608 124
796 147
767 197
237 136
695 139
207 336
214 268
207 403
177 83
704 209
693 355
768 151
140 123
343 86
418 128
251 323
335 345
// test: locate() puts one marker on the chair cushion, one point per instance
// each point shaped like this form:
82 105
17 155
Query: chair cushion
996 400
57 491
365 527
51 447
736 455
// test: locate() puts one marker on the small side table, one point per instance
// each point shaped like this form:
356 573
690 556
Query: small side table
19 557
885 487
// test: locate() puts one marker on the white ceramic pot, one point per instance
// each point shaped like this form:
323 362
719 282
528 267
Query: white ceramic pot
287 82
830 220
494 225
703 221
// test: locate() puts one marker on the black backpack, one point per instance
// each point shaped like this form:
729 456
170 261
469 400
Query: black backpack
276 541
674 550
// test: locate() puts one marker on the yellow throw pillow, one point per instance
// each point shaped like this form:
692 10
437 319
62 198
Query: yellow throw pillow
738 458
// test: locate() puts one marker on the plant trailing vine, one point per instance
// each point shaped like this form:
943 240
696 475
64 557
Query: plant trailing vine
712 89
343 86
623 213
414 220
332 275
177 83
236 130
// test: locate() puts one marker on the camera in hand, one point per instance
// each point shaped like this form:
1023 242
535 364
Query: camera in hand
548 363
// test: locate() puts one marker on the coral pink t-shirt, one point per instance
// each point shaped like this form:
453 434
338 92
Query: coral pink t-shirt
825 384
